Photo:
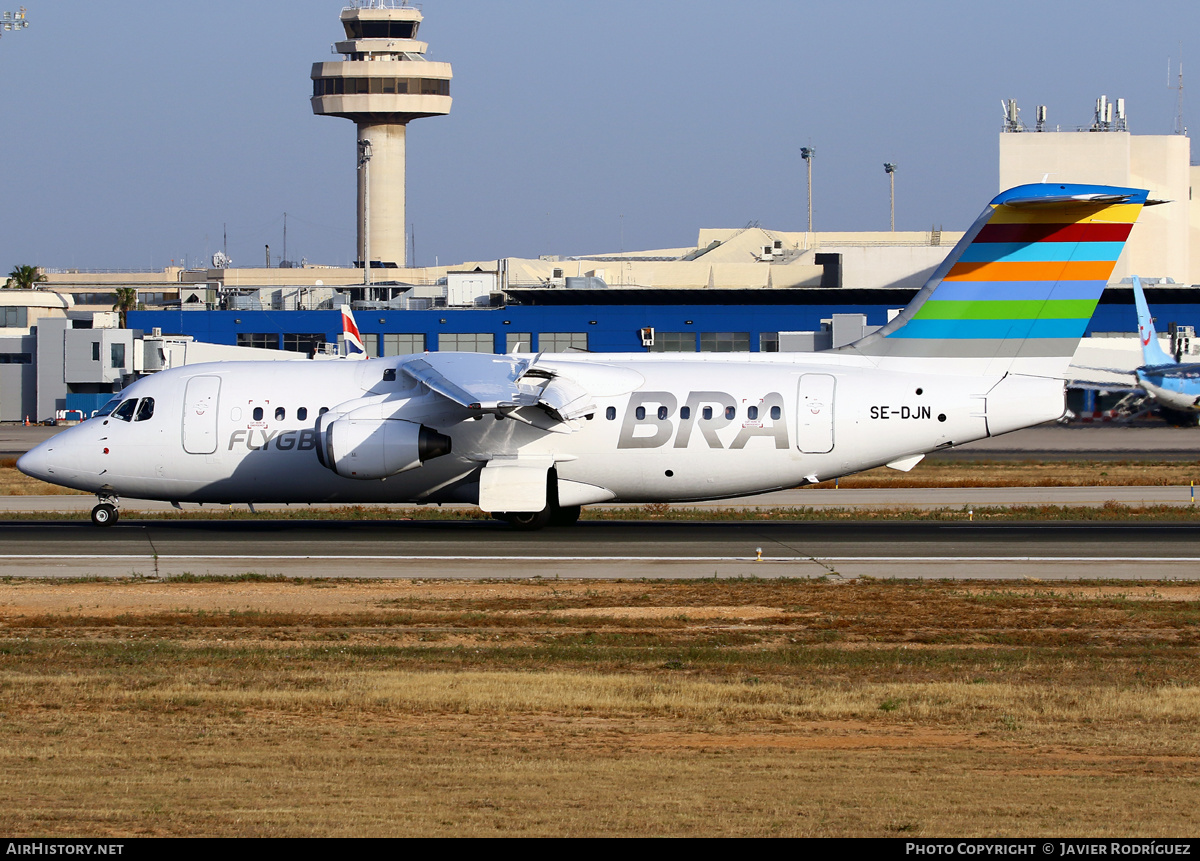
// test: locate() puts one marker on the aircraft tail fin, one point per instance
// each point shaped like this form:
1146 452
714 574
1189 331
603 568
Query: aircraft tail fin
1019 289
351 336
1152 351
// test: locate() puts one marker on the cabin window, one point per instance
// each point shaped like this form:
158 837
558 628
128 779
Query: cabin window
235 414
258 414
707 414
323 411
752 413
640 412
145 410
730 413
389 375
610 413
685 413
280 414
776 414
109 406
302 413
125 411
662 414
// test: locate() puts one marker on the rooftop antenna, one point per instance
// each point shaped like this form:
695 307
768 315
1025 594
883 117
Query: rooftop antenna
10 21
1012 115
1180 128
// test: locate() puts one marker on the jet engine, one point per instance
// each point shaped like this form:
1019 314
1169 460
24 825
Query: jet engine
371 448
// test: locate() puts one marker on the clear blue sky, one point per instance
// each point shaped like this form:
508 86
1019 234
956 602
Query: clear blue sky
133 131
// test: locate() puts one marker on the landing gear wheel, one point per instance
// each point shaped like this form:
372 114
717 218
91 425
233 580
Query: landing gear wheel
527 521
568 515
105 514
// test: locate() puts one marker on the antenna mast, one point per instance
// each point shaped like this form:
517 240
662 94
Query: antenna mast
1180 128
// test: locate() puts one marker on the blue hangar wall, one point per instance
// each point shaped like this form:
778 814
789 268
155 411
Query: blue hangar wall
610 328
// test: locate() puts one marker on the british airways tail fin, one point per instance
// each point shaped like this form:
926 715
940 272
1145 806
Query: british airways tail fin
351 336
1152 352
1019 289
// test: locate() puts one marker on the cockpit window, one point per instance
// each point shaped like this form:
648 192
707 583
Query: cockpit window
145 410
109 406
125 411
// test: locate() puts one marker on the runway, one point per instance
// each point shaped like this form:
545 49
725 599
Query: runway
603 550
957 498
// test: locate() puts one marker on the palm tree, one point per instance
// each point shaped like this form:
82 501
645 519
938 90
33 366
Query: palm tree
24 277
126 301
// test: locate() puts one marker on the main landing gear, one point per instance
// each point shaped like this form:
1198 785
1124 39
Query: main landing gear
552 515
106 513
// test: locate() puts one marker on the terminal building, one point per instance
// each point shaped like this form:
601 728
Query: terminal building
747 289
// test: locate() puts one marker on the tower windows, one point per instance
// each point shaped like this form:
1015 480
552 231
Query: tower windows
380 86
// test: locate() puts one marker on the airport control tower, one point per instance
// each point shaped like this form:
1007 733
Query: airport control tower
382 82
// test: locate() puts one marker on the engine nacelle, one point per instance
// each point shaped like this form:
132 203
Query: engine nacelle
371 449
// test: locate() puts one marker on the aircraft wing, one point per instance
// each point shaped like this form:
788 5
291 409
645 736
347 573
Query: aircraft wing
477 381
500 384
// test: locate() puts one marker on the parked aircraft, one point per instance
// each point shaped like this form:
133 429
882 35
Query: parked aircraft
1174 385
980 351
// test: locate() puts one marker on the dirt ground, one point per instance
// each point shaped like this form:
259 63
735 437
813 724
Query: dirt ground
703 708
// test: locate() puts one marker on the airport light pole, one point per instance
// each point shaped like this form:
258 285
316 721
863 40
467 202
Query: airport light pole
364 160
808 153
889 168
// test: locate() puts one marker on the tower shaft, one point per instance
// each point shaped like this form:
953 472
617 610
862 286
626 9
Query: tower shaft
382 82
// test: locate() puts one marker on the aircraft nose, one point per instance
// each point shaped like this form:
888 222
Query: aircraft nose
35 462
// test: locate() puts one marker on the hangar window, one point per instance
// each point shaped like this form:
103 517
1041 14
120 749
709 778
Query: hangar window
768 342
303 342
402 344
117 355
561 342
724 342
518 342
95 351
16 358
468 342
673 342
125 411
145 410
260 340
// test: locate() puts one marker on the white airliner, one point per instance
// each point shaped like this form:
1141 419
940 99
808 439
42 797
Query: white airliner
981 350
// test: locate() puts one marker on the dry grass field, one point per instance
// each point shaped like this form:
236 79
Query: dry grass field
261 708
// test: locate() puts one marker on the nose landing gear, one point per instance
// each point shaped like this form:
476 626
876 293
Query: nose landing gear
106 513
